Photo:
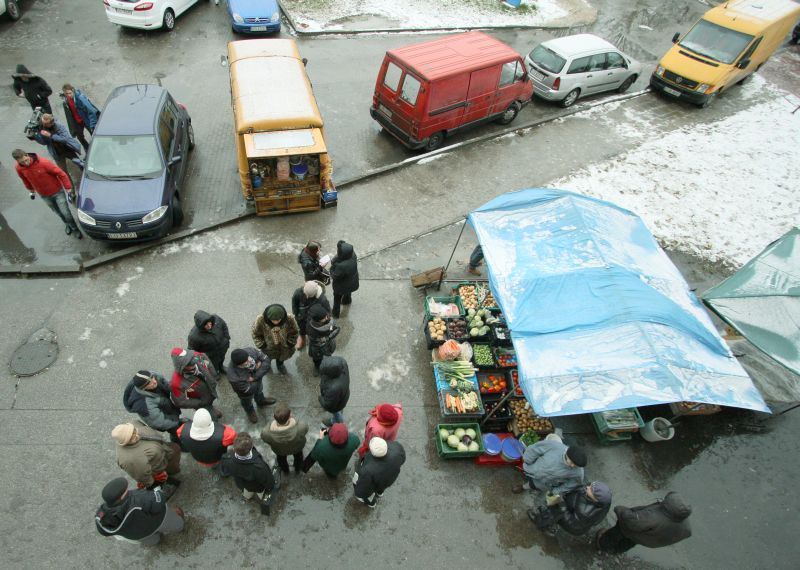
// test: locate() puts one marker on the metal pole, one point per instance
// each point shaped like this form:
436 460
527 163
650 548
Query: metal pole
452 253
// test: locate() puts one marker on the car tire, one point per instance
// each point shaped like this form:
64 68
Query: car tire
190 136
570 99
626 84
509 114
434 141
177 211
12 9
169 20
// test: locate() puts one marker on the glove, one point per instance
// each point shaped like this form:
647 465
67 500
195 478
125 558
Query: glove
552 500
33 196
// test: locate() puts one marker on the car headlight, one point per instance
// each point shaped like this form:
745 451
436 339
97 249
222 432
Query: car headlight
276 16
237 18
660 70
704 87
156 214
86 218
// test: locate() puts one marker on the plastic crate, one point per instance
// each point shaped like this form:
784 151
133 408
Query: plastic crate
499 421
514 425
488 376
513 380
455 416
430 342
447 452
504 339
455 300
604 428
498 351
441 383
452 320
455 291
609 438
486 366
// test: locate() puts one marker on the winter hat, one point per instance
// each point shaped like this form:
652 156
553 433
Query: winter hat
387 415
141 378
181 358
317 312
577 455
378 447
275 312
114 489
22 71
601 492
337 434
202 426
123 433
239 356
312 289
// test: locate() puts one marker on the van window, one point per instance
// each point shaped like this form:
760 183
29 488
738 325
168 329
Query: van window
410 90
511 72
715 42
615 60
547 59
580 65
392 77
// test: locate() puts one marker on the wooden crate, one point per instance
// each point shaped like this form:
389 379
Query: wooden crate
429 277
306 202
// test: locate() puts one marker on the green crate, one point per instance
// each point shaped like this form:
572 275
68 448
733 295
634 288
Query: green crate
456 300
608 439
445 450
602 425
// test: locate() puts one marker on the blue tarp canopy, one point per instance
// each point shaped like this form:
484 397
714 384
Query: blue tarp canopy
600 317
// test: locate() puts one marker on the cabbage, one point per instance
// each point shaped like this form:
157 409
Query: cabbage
459 433
484 330
471 433
453 441
477 323
444 434
473 446
462 447
474 332
471 312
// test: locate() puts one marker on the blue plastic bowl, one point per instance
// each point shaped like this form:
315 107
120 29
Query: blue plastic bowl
492 444
512 449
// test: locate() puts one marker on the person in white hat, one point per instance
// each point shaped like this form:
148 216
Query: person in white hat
206 440
378 470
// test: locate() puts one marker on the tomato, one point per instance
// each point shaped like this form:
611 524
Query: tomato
503 384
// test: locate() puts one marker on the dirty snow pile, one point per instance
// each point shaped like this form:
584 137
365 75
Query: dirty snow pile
721 191
315 15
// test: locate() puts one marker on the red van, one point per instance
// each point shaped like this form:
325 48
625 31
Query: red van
427 91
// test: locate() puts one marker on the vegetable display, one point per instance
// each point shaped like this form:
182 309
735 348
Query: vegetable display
437 309
621 420
450 350
515 380
492 383
457 329
456 370
436 328
504 413
476 324
506 357
462 403
501 333
527 420
482 355
486 298
460 439
469 296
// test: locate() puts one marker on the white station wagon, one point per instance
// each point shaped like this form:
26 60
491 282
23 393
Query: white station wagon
146 15
567 68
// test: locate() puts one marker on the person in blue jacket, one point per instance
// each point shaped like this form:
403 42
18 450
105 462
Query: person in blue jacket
80 112
60 144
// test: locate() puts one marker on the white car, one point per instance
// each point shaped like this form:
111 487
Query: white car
567 68
143 15
11 8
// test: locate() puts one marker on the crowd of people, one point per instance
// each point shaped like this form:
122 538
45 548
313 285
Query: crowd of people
149 448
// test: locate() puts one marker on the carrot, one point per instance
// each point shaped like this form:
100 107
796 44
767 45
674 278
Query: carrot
460 405
447 401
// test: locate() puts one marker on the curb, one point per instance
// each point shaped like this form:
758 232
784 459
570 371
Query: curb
79 268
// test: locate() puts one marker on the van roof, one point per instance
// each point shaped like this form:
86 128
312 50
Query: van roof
269 87
751 16
454 54
570 46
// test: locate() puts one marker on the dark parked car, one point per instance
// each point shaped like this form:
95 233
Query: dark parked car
136 164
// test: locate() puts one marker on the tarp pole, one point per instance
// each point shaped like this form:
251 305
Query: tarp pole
452 253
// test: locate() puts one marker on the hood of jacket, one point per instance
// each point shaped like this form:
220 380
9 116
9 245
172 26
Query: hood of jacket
675 507
23 71
201 318
266 319
317 313
133 400
180 361
343 250
332 367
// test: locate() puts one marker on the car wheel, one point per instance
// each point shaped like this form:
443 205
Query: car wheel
190 136
434 141
177 211
626 84
571 97
169 20
12 9
509 114
708 101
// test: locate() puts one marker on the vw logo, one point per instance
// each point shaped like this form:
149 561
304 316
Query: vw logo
679 80
118 225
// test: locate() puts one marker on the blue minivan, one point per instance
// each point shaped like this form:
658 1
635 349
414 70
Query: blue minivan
136 165
254 16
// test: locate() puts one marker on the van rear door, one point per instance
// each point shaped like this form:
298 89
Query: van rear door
390 103
481 94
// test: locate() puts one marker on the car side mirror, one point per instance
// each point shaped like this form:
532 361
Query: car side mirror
175 160
744 63
676 37
78 162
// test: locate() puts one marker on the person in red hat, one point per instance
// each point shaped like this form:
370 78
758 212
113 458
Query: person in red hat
384 422
332 451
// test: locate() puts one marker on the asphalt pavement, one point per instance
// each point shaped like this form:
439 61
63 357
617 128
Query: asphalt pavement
736 469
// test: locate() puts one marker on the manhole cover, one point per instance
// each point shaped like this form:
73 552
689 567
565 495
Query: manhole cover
33 357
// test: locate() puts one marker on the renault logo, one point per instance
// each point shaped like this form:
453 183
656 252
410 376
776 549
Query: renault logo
118 225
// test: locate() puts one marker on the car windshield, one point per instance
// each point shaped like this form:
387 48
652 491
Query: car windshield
124 156
715 42
547 59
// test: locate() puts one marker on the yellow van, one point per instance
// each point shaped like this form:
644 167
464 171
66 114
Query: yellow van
730 42
280 140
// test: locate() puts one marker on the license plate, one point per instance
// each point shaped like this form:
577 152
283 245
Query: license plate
258 29
385 111
673 92
536 75
123 11
123 235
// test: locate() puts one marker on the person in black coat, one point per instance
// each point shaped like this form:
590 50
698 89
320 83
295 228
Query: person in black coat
321 335
378 470
303 298
578 510
210 336
252 475
309 261
655 525
334 387
138 515
344 276
33 88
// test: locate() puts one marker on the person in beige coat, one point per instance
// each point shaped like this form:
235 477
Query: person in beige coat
275 334
144 455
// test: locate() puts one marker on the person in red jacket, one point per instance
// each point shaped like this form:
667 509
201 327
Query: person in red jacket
206 440
384 422
42 177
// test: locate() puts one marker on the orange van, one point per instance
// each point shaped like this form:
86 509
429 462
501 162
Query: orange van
427 91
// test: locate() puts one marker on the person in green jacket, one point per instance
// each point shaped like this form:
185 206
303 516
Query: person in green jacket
333 450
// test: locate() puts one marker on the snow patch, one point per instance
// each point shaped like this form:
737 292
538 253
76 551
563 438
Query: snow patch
394 370
432 158
207 243
71 360
107 352
123 289
103 364
87 332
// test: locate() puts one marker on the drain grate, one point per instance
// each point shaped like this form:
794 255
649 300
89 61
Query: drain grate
38 353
